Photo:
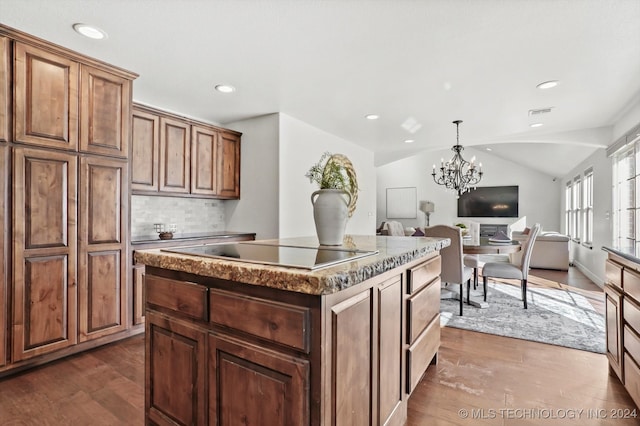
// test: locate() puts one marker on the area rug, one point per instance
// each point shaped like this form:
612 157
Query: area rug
554 316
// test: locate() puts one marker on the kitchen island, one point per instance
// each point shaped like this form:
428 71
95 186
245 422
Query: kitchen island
231 342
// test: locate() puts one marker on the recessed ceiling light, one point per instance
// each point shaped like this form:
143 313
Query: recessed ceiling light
547 84
536 125
409 141
225 88
90 31
372 116
488 149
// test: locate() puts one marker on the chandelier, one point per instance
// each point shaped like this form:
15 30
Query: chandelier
458 174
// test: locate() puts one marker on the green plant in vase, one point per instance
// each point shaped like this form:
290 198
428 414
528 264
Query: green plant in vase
335 176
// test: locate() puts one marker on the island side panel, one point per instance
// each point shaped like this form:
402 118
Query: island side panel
364 381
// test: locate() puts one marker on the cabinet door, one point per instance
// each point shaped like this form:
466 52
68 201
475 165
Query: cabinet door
203 160
613 308
390 359
175 363
229 165
145 152
175 156
46 98
138 294
5 103
102 260
351 354
4 250
240 374
44 252
105 106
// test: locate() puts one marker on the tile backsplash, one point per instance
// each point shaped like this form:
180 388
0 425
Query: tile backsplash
189 214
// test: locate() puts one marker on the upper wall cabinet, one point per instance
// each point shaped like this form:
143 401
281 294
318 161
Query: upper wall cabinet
65 104
145 143
5 101
173 155
229 165
105 111
46 98
204 149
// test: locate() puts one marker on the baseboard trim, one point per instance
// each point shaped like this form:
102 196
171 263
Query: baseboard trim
593 277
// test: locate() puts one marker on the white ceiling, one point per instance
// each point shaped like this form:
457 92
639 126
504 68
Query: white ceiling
329 63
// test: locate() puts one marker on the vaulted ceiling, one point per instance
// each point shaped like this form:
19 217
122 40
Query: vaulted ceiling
419 65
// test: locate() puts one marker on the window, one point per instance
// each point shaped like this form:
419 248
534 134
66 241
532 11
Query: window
587 208
567 209
624 200
575 209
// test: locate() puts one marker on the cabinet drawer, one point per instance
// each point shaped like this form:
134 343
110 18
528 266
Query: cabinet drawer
185 298
631 313
423 274
278 322
631 343
631 283
420 354
632 378
613 273
422 307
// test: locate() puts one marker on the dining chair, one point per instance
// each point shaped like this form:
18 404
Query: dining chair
453 269
510 270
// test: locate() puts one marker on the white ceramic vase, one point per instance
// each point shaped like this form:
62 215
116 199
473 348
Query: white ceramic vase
330 212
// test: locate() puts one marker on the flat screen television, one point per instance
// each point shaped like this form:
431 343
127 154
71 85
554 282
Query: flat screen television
489 201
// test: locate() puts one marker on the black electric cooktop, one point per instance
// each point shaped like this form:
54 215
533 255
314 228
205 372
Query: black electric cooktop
292 256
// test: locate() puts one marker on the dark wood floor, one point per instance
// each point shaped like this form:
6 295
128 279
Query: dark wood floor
497 380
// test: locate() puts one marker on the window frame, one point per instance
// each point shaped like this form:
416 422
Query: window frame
587 208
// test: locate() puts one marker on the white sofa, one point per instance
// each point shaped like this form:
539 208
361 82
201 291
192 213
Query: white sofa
550 251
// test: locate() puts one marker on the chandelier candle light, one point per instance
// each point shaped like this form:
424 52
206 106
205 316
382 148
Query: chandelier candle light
458 174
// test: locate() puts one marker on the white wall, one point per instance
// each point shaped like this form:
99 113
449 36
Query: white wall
591 260
539 195
301 146
276 152
257 209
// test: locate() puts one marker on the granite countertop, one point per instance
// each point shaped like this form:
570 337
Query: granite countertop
154 238
392 252
629 255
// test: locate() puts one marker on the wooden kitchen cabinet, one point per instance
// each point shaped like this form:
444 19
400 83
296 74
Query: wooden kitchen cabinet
229 165
175 156
242 374
4 251
145 152
138 294
341 358
45 98
44 252
390 338
351 322
178 156
102 260
65 130
175 372
204 160
5 89
613 315
105 111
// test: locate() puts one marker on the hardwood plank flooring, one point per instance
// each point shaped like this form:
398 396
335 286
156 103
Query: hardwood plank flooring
104 386
504 380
